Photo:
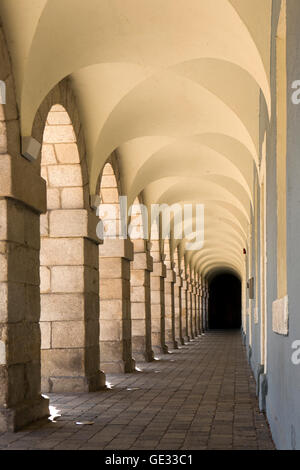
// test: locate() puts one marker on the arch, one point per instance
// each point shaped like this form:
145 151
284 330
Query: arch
69 263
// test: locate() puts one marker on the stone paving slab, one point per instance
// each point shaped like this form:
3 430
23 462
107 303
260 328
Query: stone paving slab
201 396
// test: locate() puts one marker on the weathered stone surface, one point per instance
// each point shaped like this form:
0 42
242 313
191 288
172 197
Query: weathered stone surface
62 251
72 198
61 176
66 279
62 307
68 334
59 134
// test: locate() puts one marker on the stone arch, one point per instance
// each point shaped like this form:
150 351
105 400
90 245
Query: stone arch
69 253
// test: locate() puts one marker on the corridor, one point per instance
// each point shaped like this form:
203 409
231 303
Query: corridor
199 397
149 206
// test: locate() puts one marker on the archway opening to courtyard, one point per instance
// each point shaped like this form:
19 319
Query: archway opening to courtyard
224 310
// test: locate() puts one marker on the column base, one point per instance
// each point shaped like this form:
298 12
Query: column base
159 350
172 345
187 339
117 367
141 351
13 419
74 384
147 356
263 392
130 366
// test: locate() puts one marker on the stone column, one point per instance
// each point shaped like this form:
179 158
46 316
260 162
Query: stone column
70 302
141 267
170 308
202 311
157 284
115 309
194 308
184 300
190 310
199 309
22 199
206 306
178 310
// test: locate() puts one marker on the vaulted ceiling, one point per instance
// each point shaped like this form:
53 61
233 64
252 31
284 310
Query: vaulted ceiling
172 86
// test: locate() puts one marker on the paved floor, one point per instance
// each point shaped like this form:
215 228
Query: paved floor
200 397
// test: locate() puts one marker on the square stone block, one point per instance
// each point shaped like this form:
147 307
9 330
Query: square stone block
110 330
72 198
138 311
68 334
67 153
62 251
111 309
68 223
67 279
60 307
62 362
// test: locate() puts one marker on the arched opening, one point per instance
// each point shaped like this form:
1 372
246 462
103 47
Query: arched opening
68 266
224 310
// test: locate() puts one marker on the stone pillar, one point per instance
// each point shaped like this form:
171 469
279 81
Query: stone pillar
70 302
22 199
141 267
199 309
202 311
184 300
170 308
115 309
194 308
206 307
178 310
190 310
157 284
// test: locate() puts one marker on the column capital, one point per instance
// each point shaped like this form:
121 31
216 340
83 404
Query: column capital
159 269
179 281
171 275
18 180
143 261
116 248
184 284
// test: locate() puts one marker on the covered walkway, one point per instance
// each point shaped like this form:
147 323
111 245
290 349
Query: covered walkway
199 397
